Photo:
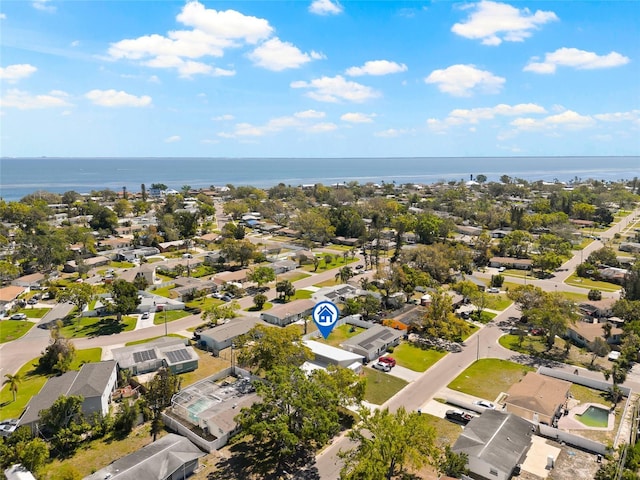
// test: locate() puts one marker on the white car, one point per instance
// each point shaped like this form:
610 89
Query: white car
485 404
18 316
493 290
383 367
145 315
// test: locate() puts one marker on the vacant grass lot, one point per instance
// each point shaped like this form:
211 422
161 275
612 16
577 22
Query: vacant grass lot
293 276
497 301
164 291
300 294
381 386
415 358
487 377
340 334
169 315
98 454
207 366
32 382
97 326
204 302
137 342
12 329
323 266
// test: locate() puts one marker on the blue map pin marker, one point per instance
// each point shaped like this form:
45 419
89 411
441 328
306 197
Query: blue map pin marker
325 315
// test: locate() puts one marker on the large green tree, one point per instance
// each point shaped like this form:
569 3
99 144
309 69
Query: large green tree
79 294
261 275
124 297
387 444
265 348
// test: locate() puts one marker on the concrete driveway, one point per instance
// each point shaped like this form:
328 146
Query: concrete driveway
404 373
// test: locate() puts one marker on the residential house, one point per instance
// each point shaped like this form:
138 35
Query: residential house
32 281
95 382
146 271
239 276
171 246
186 286
584 333
18 472
495 443
218 338
8 295
537 398
336 293
171 457
283 266
598 308
325 355
287 313
170 352
510 262
115 243
91 262
632 247
373 342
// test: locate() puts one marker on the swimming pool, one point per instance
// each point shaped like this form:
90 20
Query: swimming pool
595 417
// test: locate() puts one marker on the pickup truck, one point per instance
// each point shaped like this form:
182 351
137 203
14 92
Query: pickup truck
459 416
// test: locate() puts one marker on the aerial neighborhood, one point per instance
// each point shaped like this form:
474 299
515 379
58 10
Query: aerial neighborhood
485 330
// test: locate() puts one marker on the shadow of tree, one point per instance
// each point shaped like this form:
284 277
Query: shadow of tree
250 460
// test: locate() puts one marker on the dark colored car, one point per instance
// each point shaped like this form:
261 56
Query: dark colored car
458 416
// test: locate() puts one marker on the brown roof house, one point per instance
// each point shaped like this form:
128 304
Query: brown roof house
583 333
288 313
537 398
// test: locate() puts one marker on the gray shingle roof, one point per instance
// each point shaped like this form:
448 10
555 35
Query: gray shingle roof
92 378
498 439
157 461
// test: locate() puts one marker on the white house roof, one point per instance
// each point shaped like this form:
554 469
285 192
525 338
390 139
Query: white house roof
327 351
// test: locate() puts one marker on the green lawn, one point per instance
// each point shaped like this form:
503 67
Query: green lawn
576 297
497 301
32 382
446 432
530 345
294 276
12 329
327 283
415 358
164 291
121 265
204 302
487 377
97 326
300 294
34 312
484 317
145 340
168 315
322 266
253 308
587 283
340 334
381 386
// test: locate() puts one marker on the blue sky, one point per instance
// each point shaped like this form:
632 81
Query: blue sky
319 78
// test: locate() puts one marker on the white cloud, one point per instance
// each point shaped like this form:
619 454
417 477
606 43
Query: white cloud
567 120
464 80
474 115
574 58
223 118
43 5
391 133
277 55
358 117
618 116
325 7
25 101
334 89
209 141
113 98
13 73
75 43
173 139
154 79
212 33
376 67
3 16
309 114
493 23
321 127
228 24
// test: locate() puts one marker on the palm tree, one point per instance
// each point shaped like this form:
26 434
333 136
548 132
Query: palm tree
13 381
344 274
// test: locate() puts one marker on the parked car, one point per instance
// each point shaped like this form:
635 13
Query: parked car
458 416
493 290
18 316
32 301
388 360
145 315
7 427
383 367
502 269
536 332
359 267
485 404
226 298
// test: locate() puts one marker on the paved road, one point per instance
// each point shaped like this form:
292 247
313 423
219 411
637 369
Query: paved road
483 344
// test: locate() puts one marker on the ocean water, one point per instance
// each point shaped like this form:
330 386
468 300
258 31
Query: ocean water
21 176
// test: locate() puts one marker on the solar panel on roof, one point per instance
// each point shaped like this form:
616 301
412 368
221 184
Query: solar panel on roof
176 356
144 356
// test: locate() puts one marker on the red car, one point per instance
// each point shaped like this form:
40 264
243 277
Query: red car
388 360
